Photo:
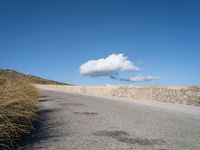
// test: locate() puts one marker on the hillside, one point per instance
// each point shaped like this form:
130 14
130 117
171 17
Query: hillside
7 73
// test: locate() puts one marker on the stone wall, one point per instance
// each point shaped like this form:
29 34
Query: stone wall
182 95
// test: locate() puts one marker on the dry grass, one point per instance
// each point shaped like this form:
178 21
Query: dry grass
7 73
17 110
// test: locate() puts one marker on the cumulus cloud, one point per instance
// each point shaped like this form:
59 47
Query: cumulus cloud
111 66
107 66
136 78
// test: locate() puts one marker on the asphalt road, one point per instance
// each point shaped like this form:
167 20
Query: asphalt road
81 122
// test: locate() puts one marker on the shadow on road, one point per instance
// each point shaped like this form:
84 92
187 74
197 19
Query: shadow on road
41 127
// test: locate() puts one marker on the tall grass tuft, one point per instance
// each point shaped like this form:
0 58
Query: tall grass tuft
17 110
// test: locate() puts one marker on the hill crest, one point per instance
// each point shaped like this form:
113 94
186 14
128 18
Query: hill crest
8 73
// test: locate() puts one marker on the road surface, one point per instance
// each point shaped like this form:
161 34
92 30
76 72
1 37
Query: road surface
82 122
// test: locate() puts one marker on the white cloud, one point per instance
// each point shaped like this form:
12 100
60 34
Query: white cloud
136 78
142 78
107 66
108 85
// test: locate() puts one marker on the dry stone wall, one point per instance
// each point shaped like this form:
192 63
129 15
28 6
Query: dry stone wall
182 95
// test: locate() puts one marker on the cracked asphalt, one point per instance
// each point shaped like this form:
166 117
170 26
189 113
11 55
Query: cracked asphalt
83 122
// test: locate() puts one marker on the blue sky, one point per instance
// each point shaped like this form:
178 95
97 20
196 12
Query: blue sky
53 38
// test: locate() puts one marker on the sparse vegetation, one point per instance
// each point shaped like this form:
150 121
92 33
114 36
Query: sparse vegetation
17 110
7 73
